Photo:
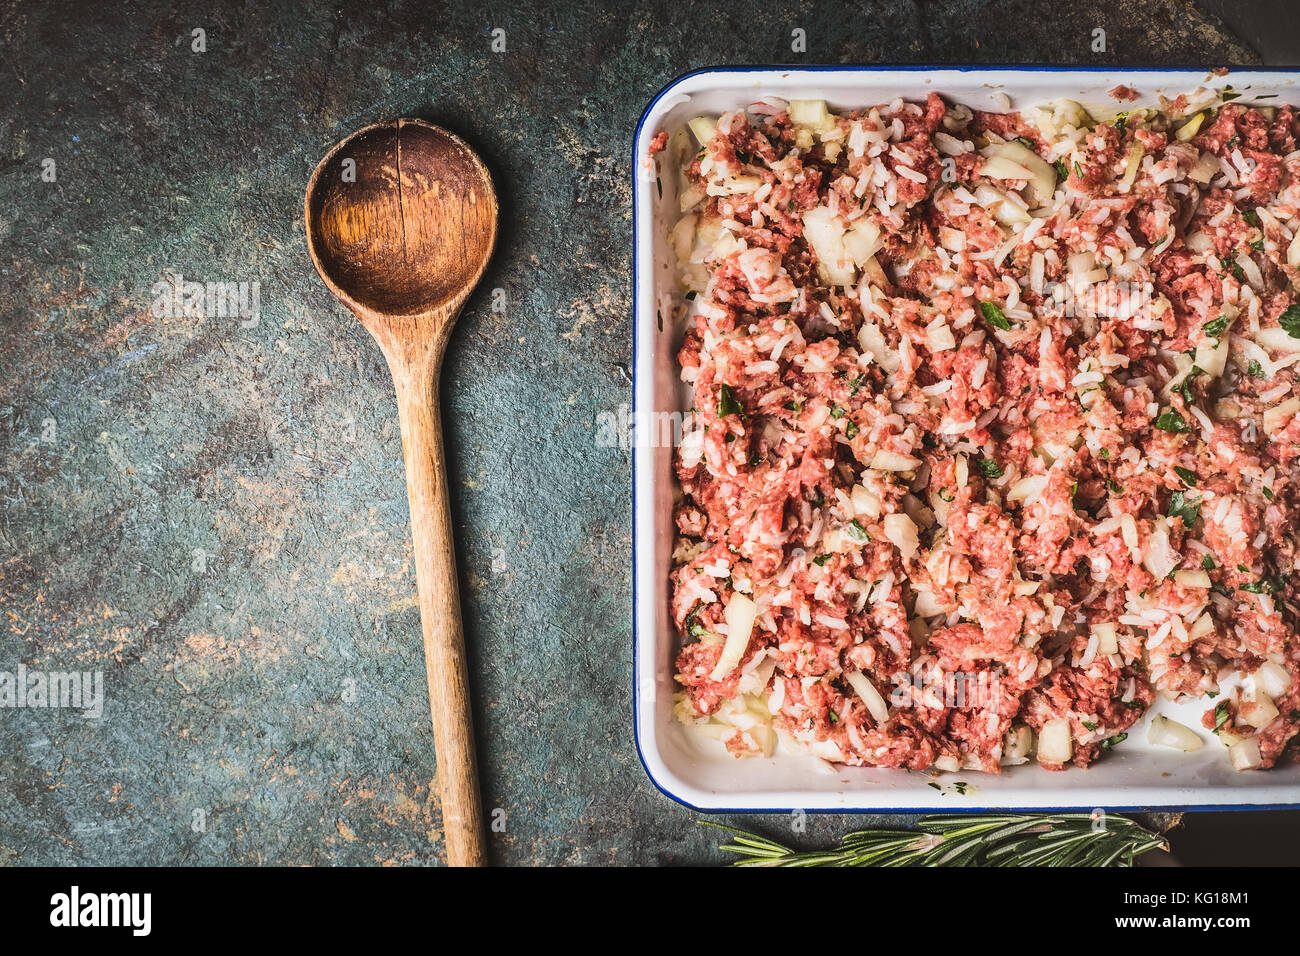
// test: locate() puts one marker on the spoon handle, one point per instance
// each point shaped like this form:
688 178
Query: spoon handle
444 639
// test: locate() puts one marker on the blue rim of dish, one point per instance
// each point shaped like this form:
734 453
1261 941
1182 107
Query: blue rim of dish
873 68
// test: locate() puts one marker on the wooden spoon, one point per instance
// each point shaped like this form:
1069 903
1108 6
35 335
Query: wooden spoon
401 222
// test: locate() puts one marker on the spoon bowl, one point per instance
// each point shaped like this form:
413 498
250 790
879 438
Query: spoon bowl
401 222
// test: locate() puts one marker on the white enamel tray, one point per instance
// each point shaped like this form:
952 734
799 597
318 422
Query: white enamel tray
699 772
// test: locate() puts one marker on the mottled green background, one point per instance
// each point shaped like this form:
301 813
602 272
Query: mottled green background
275 681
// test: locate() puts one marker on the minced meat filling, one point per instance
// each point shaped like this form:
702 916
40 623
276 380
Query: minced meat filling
994 428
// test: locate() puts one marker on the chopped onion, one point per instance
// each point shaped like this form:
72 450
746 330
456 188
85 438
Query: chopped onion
1272 679
1259 712
1277 339
893 461
1031 486
866 690
1134 163
901 530
1055 744
1160 558
811 113
862 241
703 128
1017 745
1190 128
1041 174
1193 579
873 340
1254 278
1245 754
1212 361
1203 626
1000 205
739 615
1081 263
683 236
1164 732
825 233
1293 251
865 502
1277 417
1002 167
1107 641
1204 169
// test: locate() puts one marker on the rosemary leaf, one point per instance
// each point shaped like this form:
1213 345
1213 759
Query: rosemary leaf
977 839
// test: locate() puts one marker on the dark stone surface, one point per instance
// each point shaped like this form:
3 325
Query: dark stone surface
214 514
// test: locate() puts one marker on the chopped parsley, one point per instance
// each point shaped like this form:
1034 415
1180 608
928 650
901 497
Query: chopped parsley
1251 217
837 411
1290 321
793 406
989 468
1115 487
1189 509
1255 370
728 404
994 316
857 532
1088 724
1216 327
1221 714
1207 563
855 384
821 560
1171 421
1110 742
1263 586
851 430
1187 475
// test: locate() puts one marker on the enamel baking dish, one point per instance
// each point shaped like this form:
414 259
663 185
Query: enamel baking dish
697 771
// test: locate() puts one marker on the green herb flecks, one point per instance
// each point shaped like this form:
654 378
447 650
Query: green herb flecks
1171 421
994 315
1263 586
1180 506
1216 327
1290 321
728 404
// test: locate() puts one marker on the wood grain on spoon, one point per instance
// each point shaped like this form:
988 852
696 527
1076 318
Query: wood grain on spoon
402 243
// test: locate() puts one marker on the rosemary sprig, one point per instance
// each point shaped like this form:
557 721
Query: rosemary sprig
987 839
